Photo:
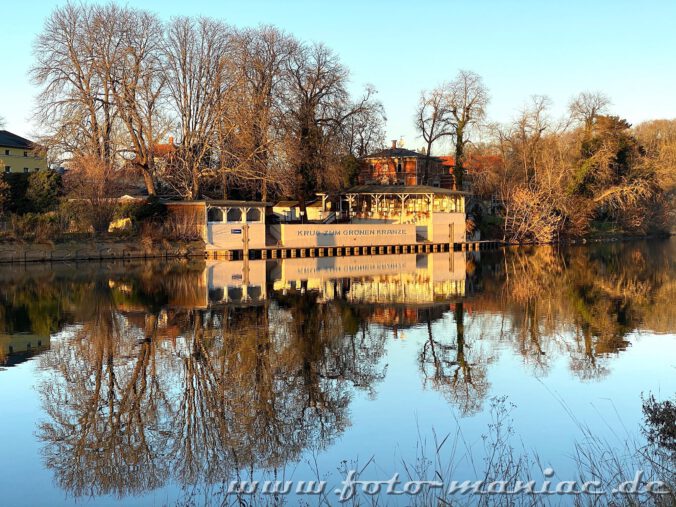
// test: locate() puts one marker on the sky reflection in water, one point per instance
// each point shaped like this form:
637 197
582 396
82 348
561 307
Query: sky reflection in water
154 383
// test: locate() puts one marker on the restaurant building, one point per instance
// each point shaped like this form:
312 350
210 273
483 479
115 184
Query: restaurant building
363 216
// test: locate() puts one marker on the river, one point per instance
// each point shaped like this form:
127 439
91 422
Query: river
159 383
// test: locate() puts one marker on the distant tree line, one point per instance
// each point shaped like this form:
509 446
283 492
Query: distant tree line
255 112
587 172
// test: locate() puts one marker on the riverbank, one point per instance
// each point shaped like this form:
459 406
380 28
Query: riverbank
98 249
594 239
133 248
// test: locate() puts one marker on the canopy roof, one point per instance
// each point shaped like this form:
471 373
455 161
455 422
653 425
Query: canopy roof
218 202
402 190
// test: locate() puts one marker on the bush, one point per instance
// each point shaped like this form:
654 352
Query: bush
181 228
660 429
18 186
44 190
34 227
4 196
71 217
150 210
31 193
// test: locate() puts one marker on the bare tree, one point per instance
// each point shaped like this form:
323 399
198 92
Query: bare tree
587 106
433 120
131 54
196 56
467 98
260 59
318 107
527 132
91 184
365 130
75 102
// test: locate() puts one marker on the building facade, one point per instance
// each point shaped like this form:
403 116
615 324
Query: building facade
20 155
399 166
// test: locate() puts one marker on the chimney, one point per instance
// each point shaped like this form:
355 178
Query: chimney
171 140
394 144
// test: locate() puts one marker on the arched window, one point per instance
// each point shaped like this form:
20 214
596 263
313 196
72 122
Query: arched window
253 215
234 215
214 215
399 167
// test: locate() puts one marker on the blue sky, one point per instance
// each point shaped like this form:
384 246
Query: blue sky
625 49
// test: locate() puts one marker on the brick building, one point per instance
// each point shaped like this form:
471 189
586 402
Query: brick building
399 166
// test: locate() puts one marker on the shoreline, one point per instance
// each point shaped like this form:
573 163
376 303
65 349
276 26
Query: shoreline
92 250
128 249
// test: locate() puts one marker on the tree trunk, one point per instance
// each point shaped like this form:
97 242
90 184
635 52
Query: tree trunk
195 186
427 165
149 181
458 167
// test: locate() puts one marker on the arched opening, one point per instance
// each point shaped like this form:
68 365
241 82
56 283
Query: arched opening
253 215
214 215
234 215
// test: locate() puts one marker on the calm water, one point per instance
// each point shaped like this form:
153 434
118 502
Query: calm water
157 383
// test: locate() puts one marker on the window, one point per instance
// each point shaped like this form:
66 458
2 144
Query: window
253 215
25 169
6 152
234 215
8 169
215 215
399 167
25 153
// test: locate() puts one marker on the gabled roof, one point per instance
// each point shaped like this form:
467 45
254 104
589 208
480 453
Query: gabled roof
396 152
9 140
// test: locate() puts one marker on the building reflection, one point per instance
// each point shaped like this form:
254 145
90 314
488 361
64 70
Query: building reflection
19 347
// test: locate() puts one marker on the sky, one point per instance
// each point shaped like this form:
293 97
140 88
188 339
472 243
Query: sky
625 49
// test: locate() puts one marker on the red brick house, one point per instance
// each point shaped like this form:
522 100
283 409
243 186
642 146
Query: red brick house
399 166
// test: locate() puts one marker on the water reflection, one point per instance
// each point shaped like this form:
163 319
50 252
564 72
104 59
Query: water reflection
191 372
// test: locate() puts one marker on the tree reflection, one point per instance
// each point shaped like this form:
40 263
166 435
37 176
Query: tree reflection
240 388
457 369
105 404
